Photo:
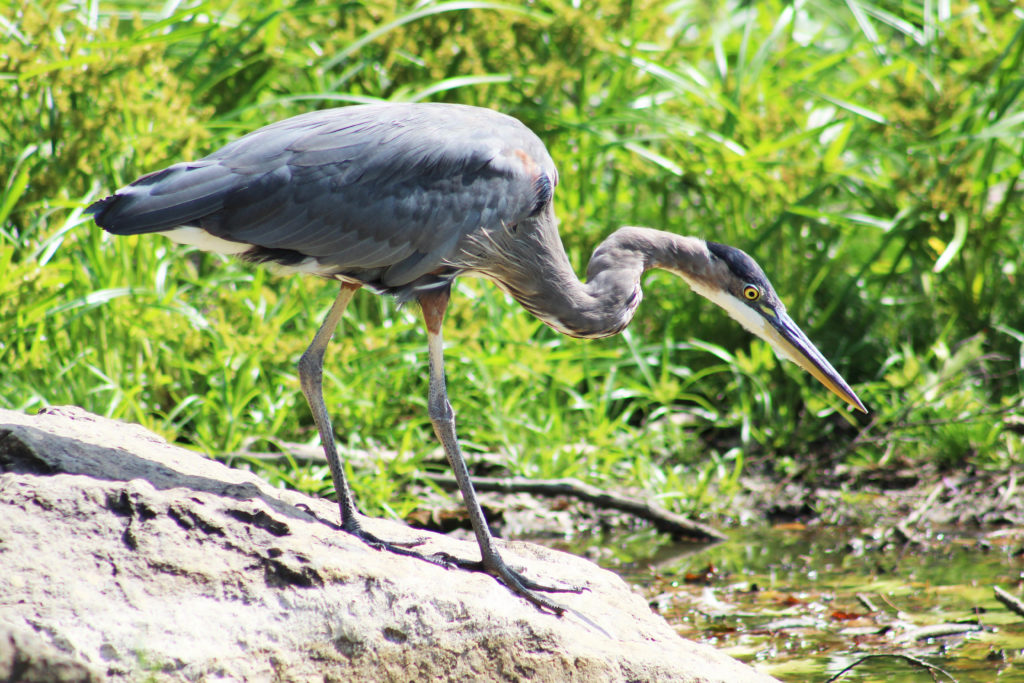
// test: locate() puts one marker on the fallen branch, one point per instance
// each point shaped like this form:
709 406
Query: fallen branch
914 517
903 529
664 520
938 631
1013 604
913 660
867 603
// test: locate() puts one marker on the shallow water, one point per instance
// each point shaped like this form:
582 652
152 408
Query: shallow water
803 604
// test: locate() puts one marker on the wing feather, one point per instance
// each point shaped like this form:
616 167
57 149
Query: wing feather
391 186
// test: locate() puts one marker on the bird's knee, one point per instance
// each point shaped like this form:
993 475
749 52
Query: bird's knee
440 411
310 367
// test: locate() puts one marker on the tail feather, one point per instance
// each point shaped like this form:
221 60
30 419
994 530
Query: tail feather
182 195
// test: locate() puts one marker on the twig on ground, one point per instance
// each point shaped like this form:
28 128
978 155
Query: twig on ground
931 668
1012 603
919 511
867 603
1011 488
666 521
938 631
904 528
900 614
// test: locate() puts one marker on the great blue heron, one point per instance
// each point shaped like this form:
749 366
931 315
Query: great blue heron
404 198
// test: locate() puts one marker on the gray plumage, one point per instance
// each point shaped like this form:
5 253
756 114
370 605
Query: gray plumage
403 198
382 194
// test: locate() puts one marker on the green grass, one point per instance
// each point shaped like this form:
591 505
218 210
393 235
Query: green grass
869 155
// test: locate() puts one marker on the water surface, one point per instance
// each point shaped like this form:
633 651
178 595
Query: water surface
802 604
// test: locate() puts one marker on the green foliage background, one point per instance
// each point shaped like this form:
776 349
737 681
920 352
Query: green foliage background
870 155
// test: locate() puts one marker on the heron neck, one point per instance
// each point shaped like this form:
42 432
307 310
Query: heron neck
605 304
612 291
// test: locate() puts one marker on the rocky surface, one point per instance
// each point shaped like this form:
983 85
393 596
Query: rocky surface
125 558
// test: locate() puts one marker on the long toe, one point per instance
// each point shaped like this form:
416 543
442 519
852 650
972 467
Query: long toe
403 548
374 542
526 587
492 564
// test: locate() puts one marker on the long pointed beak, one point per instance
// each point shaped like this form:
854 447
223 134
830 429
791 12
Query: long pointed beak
789 341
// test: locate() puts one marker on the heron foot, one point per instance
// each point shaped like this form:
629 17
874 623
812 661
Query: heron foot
403 548
526 587
492 564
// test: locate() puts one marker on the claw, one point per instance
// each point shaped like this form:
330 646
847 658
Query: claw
527 587
493 565
404 548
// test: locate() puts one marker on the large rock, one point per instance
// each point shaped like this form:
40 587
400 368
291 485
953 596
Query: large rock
123 557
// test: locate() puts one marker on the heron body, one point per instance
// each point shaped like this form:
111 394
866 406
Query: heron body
404 198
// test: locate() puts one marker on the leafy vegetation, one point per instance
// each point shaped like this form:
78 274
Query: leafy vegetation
868 154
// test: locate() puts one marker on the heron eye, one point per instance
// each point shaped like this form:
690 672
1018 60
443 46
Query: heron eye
751 293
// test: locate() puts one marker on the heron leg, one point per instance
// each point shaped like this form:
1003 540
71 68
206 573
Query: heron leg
311 373
442 417
311 370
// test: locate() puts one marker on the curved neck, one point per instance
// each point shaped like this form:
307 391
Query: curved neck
605 305
530 264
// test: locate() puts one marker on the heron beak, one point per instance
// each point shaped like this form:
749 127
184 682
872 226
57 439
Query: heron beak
791 343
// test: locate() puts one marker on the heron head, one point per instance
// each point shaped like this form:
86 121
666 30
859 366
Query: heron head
735 282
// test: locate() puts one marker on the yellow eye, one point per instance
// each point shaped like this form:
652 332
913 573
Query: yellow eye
751 293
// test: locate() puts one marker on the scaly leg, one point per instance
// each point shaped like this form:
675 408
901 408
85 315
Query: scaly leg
311 373
311 370
443 419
